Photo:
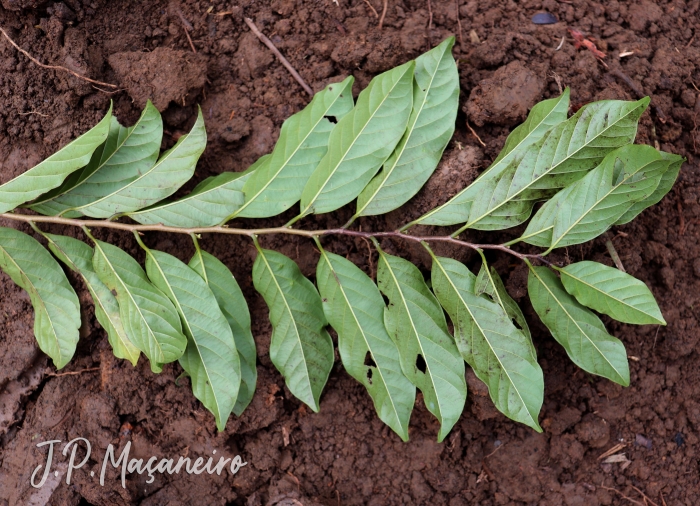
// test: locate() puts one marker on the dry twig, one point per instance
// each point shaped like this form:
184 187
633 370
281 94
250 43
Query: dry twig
371 7
186 25
52 67
475 135
613 254
622 495
279 56
430 23
381 19
459 27
72 373
637 91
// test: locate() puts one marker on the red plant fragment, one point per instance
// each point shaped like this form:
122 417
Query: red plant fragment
580 40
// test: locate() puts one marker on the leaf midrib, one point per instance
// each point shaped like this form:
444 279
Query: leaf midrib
294 323
446 204
576 323
39 298
409 132
569 156
362 331
481 330
415 330
138 309
352 144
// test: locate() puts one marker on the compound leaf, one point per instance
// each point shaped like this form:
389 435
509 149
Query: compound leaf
303 141
611 292
428 354
562 157
149 318
593 204
127 152
361 141
78 257
576 328
234 307
500 354
53 171
300 346
148 186
430 128
542 117
354 307
210 358
56 306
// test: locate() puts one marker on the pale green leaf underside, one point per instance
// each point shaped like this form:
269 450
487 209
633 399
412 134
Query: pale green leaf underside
667 179
149 318
416 323
78 257
576 328
235 309
500 354
593 204
173 169
127 152
611 292
207 205
361 141
303 141
300 347
354 307
56 306
210 358
542 117
430 128
563 156
53 171
489 282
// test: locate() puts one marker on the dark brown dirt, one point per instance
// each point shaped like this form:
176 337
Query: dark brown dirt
344 455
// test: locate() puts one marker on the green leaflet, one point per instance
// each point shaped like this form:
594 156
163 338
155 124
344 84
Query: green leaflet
300 347
56 306
354 307
51 172
430 128
500 354
611 292
667 179
361 142
303 141
576 328
234 307
149 318
593 204
428 354
207 205
125 154
174 168
542 117
562 157
210 358
78 257
490 283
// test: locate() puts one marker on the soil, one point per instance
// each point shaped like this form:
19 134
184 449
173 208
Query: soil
344 455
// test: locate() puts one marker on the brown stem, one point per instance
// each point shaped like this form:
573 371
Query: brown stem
252 232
